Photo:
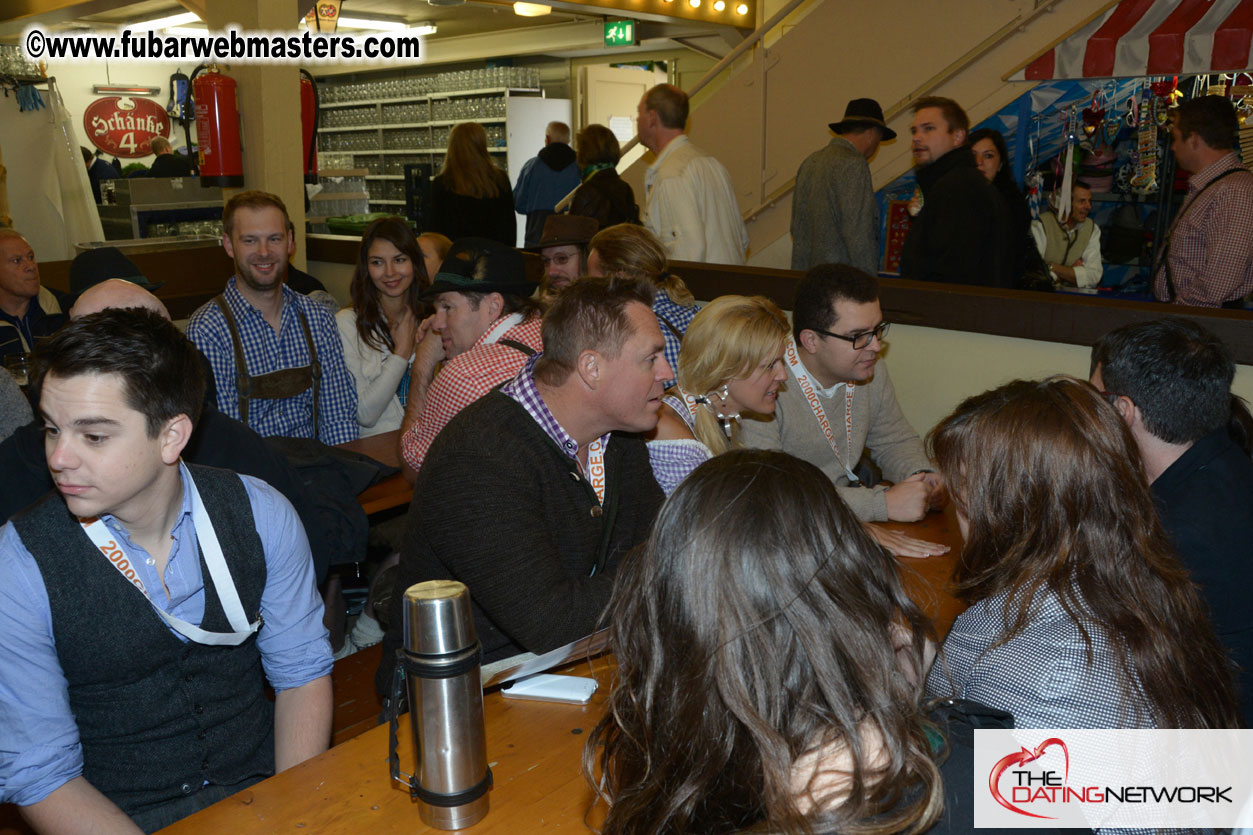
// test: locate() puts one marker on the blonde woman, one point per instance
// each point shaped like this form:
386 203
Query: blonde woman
471 196
731 362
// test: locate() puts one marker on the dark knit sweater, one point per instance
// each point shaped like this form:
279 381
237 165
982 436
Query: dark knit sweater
499 507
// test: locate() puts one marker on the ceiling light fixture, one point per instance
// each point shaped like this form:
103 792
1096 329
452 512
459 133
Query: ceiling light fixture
719 5
741 8
164 22
695 4
371 24
531 9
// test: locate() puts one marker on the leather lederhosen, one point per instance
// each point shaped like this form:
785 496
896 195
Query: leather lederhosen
276 385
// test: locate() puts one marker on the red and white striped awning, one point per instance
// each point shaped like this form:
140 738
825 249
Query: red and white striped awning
1153 37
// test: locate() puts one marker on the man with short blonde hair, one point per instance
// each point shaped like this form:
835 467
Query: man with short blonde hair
959 233
167 163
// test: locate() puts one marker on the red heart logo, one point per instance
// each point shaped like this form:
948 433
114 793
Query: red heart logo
1023 757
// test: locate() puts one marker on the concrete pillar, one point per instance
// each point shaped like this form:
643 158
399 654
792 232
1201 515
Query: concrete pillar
269 108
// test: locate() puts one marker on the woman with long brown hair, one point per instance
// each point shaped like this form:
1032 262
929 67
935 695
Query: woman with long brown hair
769 671
381 329
1081 615
471 196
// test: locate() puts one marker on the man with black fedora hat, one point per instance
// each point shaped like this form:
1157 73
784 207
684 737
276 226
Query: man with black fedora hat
834 216
484 328
563 248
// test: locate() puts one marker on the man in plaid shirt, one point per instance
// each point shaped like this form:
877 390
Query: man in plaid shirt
278 363
484 329
1207 260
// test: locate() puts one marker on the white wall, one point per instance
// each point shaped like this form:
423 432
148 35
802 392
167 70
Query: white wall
934 370
76 79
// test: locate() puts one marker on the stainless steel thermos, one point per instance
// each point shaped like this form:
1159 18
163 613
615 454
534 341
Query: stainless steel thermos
441 661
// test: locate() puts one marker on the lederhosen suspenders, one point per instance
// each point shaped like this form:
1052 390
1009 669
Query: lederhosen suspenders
277 385
1164 256
517 346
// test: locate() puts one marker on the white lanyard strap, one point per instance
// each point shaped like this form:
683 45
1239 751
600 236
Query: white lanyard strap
811 396
219 574
498 330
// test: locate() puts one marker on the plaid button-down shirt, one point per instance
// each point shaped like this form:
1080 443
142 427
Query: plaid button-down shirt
522 389
266 351
463 380
671 317
1211 243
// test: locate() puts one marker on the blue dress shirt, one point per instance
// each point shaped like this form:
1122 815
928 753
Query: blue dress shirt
267 351
39 743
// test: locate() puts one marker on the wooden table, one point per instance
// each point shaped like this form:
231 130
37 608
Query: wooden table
392 491
535 750
927 580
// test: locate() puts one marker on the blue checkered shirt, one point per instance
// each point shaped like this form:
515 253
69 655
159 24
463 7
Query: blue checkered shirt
266 351
522 389
669 311
673 460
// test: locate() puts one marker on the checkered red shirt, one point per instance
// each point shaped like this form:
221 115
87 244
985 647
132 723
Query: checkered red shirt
464 379
1211 245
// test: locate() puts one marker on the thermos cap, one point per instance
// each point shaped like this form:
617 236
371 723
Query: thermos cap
438 619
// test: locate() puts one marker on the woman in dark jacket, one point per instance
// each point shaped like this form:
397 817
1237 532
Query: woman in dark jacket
604 195
991 158
471 197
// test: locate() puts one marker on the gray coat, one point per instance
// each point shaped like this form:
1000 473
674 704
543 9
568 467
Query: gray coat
834 216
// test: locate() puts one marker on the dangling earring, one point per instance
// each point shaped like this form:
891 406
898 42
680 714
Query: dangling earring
726 419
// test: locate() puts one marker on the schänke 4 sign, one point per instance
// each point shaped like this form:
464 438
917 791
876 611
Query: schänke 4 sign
125 126
1113 778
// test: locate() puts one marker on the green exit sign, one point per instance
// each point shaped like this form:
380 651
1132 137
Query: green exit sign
620 33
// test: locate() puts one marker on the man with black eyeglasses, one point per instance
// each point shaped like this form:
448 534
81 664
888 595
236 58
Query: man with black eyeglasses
837 404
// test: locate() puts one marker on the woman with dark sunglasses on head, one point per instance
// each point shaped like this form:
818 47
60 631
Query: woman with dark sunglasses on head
769 671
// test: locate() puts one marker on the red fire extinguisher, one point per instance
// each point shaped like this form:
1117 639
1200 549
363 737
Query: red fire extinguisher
309 125
217 128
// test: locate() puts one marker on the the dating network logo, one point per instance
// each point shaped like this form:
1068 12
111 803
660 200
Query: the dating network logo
1048 787
1142 778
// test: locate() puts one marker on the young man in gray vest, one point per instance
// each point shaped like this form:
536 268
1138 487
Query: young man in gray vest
1071 250
276 355
142 600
